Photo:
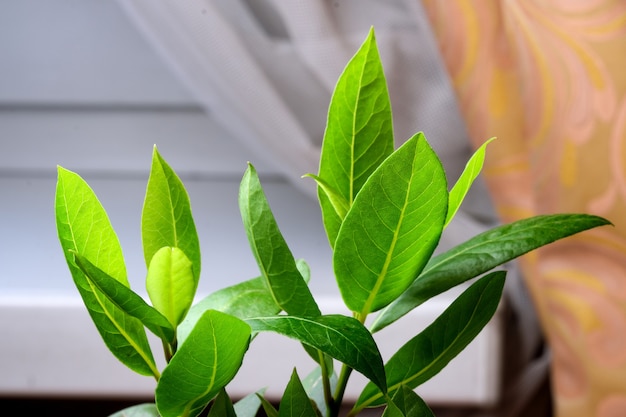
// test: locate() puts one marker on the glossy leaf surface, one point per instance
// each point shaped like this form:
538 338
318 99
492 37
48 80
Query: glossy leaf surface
341 337
170 283
358 136
84 228
166 219
127 300
203 365
483 253
392 228
430 351
244 300
276 262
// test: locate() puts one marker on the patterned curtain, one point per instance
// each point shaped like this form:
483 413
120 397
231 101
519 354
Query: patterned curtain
548 78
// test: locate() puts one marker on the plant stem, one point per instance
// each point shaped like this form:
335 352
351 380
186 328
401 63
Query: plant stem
328 396
342 383
169 349
344 376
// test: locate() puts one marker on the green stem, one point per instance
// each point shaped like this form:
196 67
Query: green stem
169 349
345 375
357 410
342 383
328 396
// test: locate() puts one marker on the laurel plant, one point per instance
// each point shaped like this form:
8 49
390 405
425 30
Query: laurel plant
384 211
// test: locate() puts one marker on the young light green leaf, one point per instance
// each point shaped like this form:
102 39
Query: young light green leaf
392 228
203 365
465 181
127 300
359 132
429 352
295 402
408 404
139 410
222 406
249 405
277 264
341 337
338 201
482 253
83 227
166 219
170 283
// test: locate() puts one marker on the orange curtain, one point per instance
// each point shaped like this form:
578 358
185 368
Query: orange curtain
548 78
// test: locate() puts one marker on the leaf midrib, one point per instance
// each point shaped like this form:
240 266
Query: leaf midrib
432 362
105 310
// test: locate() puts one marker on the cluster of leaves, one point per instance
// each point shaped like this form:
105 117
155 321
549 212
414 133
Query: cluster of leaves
384 211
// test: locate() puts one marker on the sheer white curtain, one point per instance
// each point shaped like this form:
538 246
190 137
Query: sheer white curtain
266 70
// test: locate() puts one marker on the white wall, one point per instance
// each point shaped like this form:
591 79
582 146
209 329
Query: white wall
81 89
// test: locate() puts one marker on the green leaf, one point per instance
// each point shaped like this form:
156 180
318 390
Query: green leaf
337 201
358 136
393 410
84 228
139 410
203 365
408 404
465 181
305 269
482 253
341 337
295 402
429 352
249 405
166 219
277 264
247 299
170 283
127 300
244 300
269 409
392 229
222 406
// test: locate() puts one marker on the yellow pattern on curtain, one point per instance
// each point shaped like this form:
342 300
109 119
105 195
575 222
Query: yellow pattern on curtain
548 78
